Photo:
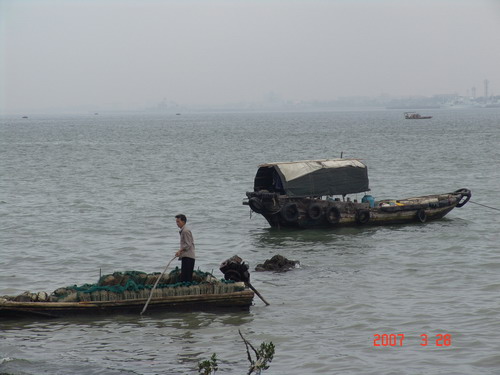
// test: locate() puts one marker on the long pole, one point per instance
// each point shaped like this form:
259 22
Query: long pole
257 292
156 283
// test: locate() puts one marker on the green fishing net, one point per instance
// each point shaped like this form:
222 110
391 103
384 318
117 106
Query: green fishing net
137 284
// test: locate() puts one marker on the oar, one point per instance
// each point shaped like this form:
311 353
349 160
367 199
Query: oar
256 292
156 283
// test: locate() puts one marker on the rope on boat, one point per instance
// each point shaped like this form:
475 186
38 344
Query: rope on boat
479 204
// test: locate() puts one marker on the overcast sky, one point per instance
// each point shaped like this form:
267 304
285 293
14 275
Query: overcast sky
134 54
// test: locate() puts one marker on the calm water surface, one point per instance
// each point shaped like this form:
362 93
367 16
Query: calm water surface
85 193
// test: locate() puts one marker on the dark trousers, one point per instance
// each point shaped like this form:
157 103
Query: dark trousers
187 268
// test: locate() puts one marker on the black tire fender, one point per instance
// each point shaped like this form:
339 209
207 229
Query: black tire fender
256 205
421 215
290 212
333 215
465 193
315 211
362 216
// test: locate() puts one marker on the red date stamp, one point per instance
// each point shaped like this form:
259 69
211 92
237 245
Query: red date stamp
397 339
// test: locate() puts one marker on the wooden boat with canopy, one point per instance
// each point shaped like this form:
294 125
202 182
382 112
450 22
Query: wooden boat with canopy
315 194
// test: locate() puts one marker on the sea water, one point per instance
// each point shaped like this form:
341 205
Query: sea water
84 195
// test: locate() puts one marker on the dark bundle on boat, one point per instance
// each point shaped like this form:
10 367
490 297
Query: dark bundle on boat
235 269
277 263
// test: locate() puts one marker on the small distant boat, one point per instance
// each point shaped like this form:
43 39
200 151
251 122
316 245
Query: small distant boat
415 116
25 116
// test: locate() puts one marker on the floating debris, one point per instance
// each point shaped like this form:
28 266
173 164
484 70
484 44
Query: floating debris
278 263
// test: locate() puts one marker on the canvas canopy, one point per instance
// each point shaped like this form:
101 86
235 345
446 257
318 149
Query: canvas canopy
313 177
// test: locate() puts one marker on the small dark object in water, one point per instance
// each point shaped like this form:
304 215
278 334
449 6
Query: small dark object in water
277 263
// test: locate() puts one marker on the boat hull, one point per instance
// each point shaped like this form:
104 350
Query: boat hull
241 300
309 213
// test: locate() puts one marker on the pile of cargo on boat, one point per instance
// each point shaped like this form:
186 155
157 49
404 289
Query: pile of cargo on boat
128 291
133 285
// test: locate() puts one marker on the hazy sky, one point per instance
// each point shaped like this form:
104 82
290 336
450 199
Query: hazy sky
132 54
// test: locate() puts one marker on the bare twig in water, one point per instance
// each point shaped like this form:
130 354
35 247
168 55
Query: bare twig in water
263 356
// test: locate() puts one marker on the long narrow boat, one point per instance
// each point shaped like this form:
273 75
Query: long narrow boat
127 293
415 116
314 194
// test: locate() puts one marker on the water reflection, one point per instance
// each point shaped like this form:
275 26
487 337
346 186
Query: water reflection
178 320
284 237
121 342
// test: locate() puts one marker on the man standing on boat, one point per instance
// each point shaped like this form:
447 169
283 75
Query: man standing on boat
186 251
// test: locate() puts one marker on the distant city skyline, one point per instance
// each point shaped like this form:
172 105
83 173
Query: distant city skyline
98 55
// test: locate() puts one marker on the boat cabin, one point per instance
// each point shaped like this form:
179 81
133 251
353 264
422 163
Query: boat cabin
313 178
